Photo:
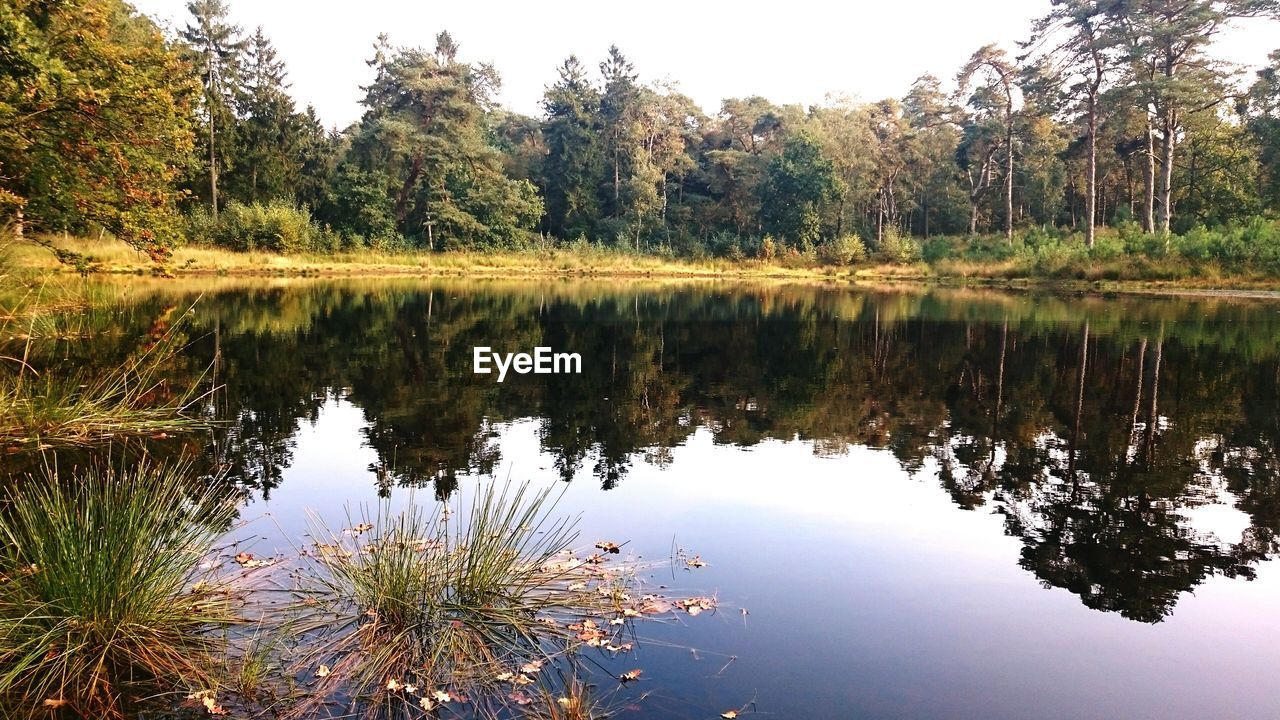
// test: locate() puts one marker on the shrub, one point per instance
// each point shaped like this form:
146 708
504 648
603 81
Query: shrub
898 248
274 227
845 250
768 248
101 599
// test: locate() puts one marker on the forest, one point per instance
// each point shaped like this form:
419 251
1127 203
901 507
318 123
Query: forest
1110 128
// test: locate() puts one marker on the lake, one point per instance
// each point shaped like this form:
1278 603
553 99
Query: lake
930 503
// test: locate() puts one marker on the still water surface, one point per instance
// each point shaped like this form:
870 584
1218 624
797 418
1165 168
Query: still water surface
932 503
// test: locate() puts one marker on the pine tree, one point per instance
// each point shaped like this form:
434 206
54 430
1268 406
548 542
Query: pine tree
216 47
574 160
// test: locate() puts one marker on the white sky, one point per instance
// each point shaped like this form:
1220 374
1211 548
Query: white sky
792 51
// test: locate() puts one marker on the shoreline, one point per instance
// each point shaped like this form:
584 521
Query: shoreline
193 262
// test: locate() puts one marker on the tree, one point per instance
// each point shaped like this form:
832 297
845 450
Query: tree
1171 39
797 182
1084 57
269 133
216 48
617 113
1264 122
934 142
574 162
1000 74
425 141
94 109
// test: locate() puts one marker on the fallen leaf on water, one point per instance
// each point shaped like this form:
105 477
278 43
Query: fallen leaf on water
520 698
729 714
323 672
531 667
394 685
441 696
609 547
695 562
426 704
504 677
696 605
630 675
595 559
213 707
361 529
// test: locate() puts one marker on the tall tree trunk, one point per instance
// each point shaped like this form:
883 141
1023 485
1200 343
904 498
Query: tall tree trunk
213 154
1075 430
1149 182
1008 175
1168 129
1091 176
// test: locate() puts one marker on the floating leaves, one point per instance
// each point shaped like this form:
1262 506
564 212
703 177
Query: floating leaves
249 562
630 676
323 672
695 562
609 547
729 714
696 605
207 700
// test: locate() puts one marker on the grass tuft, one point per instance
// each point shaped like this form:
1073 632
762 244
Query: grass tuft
409 610
102 604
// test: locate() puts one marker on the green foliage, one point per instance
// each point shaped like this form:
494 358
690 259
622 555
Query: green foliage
899 248
844 250
95 120
101 595
797 181
276 226
434 602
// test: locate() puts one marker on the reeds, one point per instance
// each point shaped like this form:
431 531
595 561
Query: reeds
102 602
132 400
409 610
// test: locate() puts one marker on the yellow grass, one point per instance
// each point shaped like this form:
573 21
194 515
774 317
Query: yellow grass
111 257
114 257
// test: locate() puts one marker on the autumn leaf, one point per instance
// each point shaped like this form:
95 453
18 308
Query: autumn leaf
630 675
394 685
323 672
55 703
609 547
695 562
729 714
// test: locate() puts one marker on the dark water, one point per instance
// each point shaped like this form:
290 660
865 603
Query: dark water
933 504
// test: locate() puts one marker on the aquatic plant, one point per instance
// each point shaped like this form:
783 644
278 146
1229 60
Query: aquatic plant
409 610
80 408
102 602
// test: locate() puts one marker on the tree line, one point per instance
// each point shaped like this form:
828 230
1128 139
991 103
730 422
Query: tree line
1110 113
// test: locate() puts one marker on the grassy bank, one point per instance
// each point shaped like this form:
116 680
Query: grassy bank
1120 260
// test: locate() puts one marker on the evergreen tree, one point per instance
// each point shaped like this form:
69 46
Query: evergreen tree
424 140
269 132
574 162
216 48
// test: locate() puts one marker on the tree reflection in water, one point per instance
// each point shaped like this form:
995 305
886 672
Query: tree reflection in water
1092 425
